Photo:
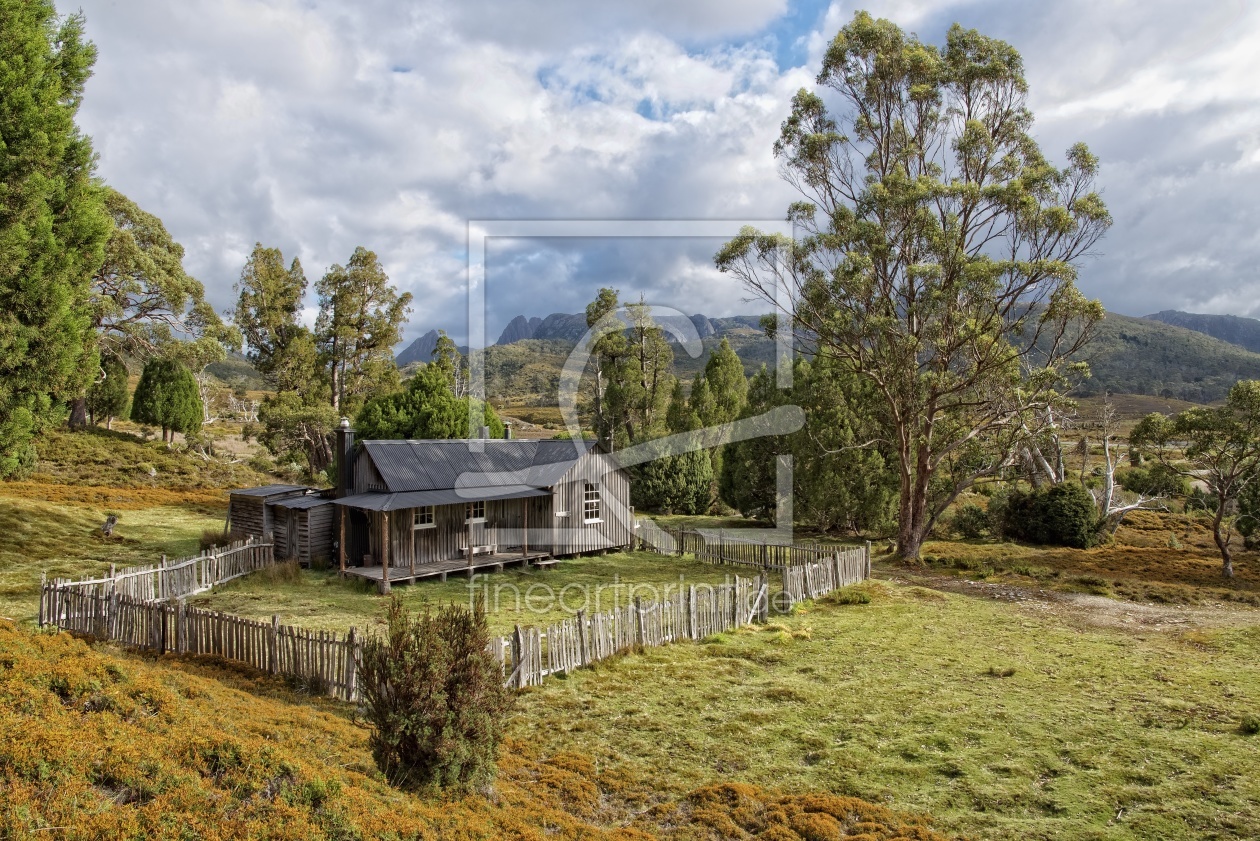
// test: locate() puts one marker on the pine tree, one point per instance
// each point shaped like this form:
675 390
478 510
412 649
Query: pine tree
360 316
52 223
270 299
107 398
724 374
167 396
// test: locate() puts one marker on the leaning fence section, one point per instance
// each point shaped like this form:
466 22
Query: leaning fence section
181 578
815 579
530 654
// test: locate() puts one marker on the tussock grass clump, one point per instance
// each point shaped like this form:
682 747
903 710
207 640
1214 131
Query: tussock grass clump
1250 725
733 810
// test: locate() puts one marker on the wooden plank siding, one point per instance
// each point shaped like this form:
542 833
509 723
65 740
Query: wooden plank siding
616 526
315 543
247 514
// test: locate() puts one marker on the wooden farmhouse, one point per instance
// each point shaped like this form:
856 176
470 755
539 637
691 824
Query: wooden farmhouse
405 510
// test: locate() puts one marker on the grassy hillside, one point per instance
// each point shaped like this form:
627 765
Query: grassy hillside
1003 720
1137 356
1244 332
119 459
95 745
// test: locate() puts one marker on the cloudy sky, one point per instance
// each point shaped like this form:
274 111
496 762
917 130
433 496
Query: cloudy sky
319 125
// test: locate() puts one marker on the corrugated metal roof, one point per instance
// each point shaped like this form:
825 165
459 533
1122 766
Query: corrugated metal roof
444 496
300 502
435 465
268 490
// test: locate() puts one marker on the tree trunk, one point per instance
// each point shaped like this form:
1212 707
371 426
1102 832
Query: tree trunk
78 413
1227 558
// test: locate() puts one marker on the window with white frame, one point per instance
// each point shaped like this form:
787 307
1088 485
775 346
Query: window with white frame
475 512
422 518
591 504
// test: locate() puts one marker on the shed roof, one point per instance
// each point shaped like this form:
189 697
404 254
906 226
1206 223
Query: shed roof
458 464
298 503
268 490
444 496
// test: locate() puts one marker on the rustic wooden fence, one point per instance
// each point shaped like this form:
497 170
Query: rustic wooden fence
327 662
844 566
530 654
178 579
323 660
724 547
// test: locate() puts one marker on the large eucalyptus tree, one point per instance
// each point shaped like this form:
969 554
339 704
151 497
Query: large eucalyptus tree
935 254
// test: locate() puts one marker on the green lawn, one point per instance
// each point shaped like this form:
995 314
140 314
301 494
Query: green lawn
999 721
64 540
324 601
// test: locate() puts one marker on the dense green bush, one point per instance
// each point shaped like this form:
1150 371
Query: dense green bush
1059 515
1159 480
435 698
970 521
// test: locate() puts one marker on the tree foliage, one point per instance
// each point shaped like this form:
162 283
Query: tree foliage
167 396
435 698
360 316
52 223
842 478
267 307
144 303
108 397
938 254
1219 446
426 408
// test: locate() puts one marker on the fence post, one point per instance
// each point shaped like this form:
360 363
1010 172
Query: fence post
352 664
691 612
273 647
638 620
581 629
518 663
868 559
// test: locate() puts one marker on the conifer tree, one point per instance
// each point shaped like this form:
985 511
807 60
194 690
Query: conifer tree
52 224
167 396
107 398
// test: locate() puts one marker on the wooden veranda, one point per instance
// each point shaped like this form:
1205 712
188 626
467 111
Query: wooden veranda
385 577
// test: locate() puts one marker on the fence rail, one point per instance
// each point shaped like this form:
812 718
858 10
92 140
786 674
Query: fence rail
324 660
178 579
723 547
530 654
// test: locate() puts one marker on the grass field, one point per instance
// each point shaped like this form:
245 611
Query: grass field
999 721
1070 712
56 530
323 601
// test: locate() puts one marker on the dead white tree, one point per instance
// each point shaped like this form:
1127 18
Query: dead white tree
1111 501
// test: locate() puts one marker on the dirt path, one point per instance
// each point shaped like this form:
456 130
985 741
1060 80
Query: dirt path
1088 610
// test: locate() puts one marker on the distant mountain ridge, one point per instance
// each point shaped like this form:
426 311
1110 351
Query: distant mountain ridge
1143 356
1235 329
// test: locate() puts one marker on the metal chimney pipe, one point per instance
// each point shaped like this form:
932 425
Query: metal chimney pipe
343 458
485 433
507 432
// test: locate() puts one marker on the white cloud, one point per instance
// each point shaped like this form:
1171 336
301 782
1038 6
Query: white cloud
320 127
